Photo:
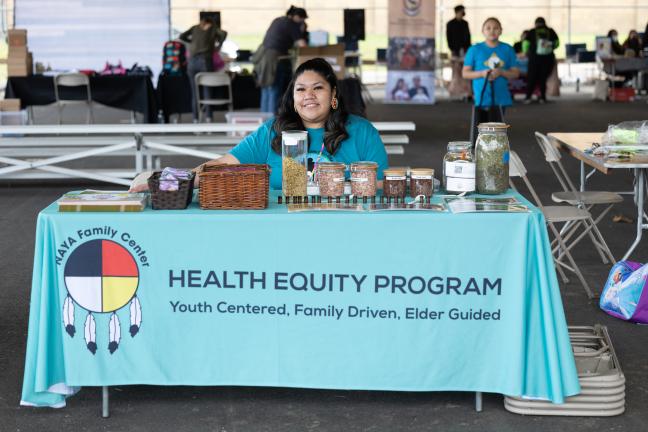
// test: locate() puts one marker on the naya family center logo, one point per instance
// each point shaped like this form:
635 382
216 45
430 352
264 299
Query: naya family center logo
101 277
412 7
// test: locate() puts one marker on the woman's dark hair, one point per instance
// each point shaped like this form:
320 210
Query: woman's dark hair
397 86
300 12
492 19
288 119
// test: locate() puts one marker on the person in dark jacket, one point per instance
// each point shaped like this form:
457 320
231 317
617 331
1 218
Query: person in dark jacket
617 49
203 39
458 33
272 73
539 46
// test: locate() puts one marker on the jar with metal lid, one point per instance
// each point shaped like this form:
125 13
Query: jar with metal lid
421 182
492 157
394 183
459 168
330 177
363 178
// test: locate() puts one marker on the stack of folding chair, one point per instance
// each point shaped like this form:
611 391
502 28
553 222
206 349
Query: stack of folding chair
599 374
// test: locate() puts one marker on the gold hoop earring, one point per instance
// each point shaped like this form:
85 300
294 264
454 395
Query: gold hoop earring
334 103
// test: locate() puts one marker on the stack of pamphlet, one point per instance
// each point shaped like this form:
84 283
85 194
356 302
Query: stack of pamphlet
102 201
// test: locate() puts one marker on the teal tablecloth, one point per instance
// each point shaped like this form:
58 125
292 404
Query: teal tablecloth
372 301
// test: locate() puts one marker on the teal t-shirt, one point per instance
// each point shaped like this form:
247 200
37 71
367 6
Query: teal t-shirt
480 56
363 144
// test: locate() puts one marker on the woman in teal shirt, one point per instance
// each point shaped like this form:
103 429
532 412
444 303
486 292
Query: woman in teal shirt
311 103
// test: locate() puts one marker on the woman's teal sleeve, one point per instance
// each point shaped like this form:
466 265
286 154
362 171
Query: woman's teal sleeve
254 147
375 149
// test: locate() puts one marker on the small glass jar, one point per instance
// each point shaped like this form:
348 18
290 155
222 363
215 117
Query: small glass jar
394 183
294 164
492 155
459 168
330 177
421 182
363 178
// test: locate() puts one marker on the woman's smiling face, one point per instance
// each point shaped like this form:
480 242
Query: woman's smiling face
312 95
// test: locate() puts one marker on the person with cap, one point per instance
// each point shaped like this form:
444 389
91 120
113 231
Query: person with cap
203 39
539 46
272 72
458 35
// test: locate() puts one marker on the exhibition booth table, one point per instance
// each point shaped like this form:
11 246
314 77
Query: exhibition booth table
128 92
578 144
405 301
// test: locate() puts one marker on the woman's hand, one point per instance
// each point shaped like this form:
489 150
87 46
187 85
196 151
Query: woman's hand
495 73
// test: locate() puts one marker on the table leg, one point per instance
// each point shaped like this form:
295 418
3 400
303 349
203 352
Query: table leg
478 401
105 412
582 176
639 200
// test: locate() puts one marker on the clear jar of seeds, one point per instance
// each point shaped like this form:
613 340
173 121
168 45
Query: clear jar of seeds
294 148
395 183
459 168
330 177
363 178
492 154
421 182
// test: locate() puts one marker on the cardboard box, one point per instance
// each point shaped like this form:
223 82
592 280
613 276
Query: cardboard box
334 54
9 104
20 67
17 51
17 37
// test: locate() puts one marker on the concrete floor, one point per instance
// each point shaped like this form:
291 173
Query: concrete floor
145 408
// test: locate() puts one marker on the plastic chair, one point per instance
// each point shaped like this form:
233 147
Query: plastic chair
563 242
73 80
572 196
211 80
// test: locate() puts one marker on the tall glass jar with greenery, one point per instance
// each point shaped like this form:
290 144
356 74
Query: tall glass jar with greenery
492 158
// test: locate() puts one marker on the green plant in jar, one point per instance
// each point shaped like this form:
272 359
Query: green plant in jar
492 159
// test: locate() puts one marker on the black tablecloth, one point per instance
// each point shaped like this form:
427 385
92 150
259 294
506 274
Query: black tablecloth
133 93
174 94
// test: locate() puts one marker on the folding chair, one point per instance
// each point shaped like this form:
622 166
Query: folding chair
211 80
73 80
583 199
563 243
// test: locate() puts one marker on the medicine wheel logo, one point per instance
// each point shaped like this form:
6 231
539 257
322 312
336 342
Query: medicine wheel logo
101 276
412 7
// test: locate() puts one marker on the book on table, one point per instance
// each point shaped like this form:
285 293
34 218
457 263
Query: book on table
102 201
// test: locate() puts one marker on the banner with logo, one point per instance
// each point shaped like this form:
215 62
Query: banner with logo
411 52
371 301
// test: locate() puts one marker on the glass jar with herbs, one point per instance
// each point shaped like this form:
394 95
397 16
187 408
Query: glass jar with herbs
330 177
492 157
421 182
363 178
459 168
294 164
395 183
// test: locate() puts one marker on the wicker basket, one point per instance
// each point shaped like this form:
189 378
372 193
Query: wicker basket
170 200
234 187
